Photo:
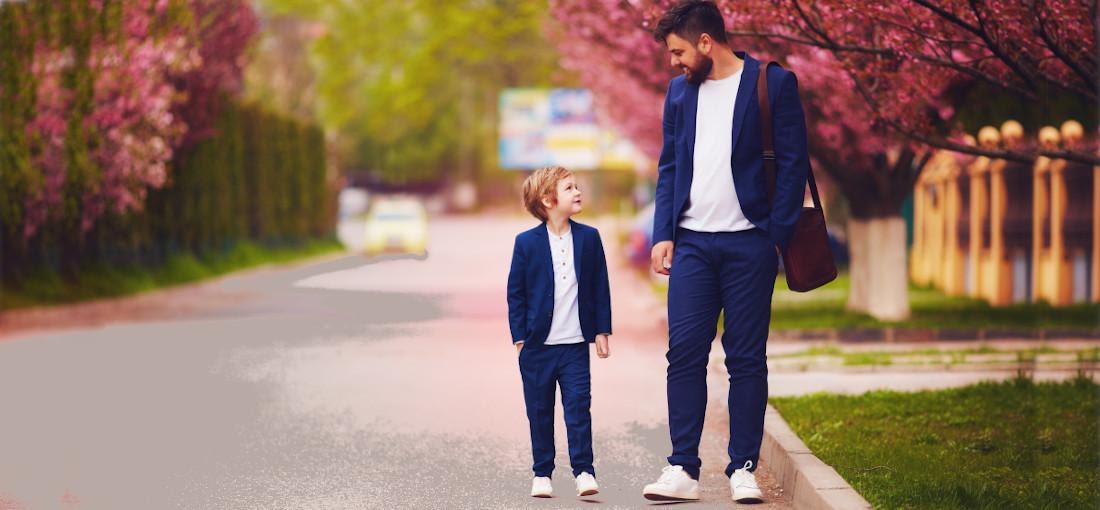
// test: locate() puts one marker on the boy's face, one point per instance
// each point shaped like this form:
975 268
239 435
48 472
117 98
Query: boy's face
569 199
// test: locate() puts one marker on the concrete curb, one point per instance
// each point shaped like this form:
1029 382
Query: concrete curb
1088 367
892 334
811 483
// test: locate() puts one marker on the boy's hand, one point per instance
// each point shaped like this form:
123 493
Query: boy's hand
660 257
519 347
602 349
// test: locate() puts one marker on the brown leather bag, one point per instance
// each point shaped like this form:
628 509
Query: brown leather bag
807 260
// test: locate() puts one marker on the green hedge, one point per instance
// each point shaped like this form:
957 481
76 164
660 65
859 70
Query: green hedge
21 26
261 178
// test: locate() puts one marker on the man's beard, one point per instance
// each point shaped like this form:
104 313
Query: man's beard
698 74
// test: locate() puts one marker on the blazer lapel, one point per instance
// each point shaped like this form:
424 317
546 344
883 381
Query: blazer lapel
547 259
746 91
578 247
691 106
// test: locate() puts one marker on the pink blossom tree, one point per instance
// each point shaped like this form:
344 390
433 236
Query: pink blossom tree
220 34
872 114
897 53
118 92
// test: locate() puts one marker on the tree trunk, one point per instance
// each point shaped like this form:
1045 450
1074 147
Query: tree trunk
879 279
876 188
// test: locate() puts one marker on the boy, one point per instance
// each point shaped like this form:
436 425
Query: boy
559 301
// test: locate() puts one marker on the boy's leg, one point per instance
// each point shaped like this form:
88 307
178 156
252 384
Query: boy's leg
749 267
693 304
537 366
576 399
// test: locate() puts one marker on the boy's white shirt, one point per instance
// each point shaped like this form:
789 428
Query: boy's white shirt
565 324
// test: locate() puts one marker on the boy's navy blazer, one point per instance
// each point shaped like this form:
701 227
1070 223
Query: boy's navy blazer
531 285
676 165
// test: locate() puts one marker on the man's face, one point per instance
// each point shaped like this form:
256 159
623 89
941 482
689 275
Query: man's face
693 59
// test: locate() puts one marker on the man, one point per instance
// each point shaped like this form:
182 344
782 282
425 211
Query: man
713 207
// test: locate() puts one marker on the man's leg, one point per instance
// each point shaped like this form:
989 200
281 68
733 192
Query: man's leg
538 367
576 399
749 266
693 304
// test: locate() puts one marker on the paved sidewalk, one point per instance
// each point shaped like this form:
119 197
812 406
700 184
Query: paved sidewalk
818 375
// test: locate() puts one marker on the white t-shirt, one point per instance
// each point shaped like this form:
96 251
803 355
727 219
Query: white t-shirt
713 205
565 326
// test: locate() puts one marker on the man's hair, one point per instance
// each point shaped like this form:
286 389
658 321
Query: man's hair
543 183
691 19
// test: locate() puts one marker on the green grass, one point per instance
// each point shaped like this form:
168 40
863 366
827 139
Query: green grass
1016 444
824 308
836 350
48 288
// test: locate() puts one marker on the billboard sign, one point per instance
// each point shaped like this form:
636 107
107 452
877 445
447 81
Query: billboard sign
544 127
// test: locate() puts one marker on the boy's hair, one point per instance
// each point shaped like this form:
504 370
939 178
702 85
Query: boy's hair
690 20
543 183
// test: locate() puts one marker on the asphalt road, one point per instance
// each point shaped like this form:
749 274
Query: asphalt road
338 383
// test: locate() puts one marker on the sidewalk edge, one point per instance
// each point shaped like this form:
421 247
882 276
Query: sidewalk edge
811 483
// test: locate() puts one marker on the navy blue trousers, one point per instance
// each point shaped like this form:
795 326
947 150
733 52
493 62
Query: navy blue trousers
731 272
543 369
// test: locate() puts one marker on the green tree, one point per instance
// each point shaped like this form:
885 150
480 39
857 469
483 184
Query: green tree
410 88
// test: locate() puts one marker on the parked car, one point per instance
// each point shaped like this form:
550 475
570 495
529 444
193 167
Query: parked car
639 239
397 225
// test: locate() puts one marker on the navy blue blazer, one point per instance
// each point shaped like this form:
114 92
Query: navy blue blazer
675 166
531 285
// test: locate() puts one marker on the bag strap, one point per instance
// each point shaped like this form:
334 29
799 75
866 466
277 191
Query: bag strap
768 140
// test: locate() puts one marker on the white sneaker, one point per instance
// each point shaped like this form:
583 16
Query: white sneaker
674 485
586 485
541 487
743 486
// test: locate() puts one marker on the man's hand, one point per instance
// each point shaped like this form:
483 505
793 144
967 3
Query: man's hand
602 349
519 347
661 257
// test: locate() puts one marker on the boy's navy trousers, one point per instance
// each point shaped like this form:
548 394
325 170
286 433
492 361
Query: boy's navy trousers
543 368
732 272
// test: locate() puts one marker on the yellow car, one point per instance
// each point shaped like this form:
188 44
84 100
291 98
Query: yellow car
397 225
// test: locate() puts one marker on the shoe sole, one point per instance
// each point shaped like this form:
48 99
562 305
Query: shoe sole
588 492
542 495
758 497
661 497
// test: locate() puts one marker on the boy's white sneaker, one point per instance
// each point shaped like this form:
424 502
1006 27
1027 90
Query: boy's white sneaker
586 485
541 487
673 485
743 486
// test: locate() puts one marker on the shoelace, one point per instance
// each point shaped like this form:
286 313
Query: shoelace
668 473
744 477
